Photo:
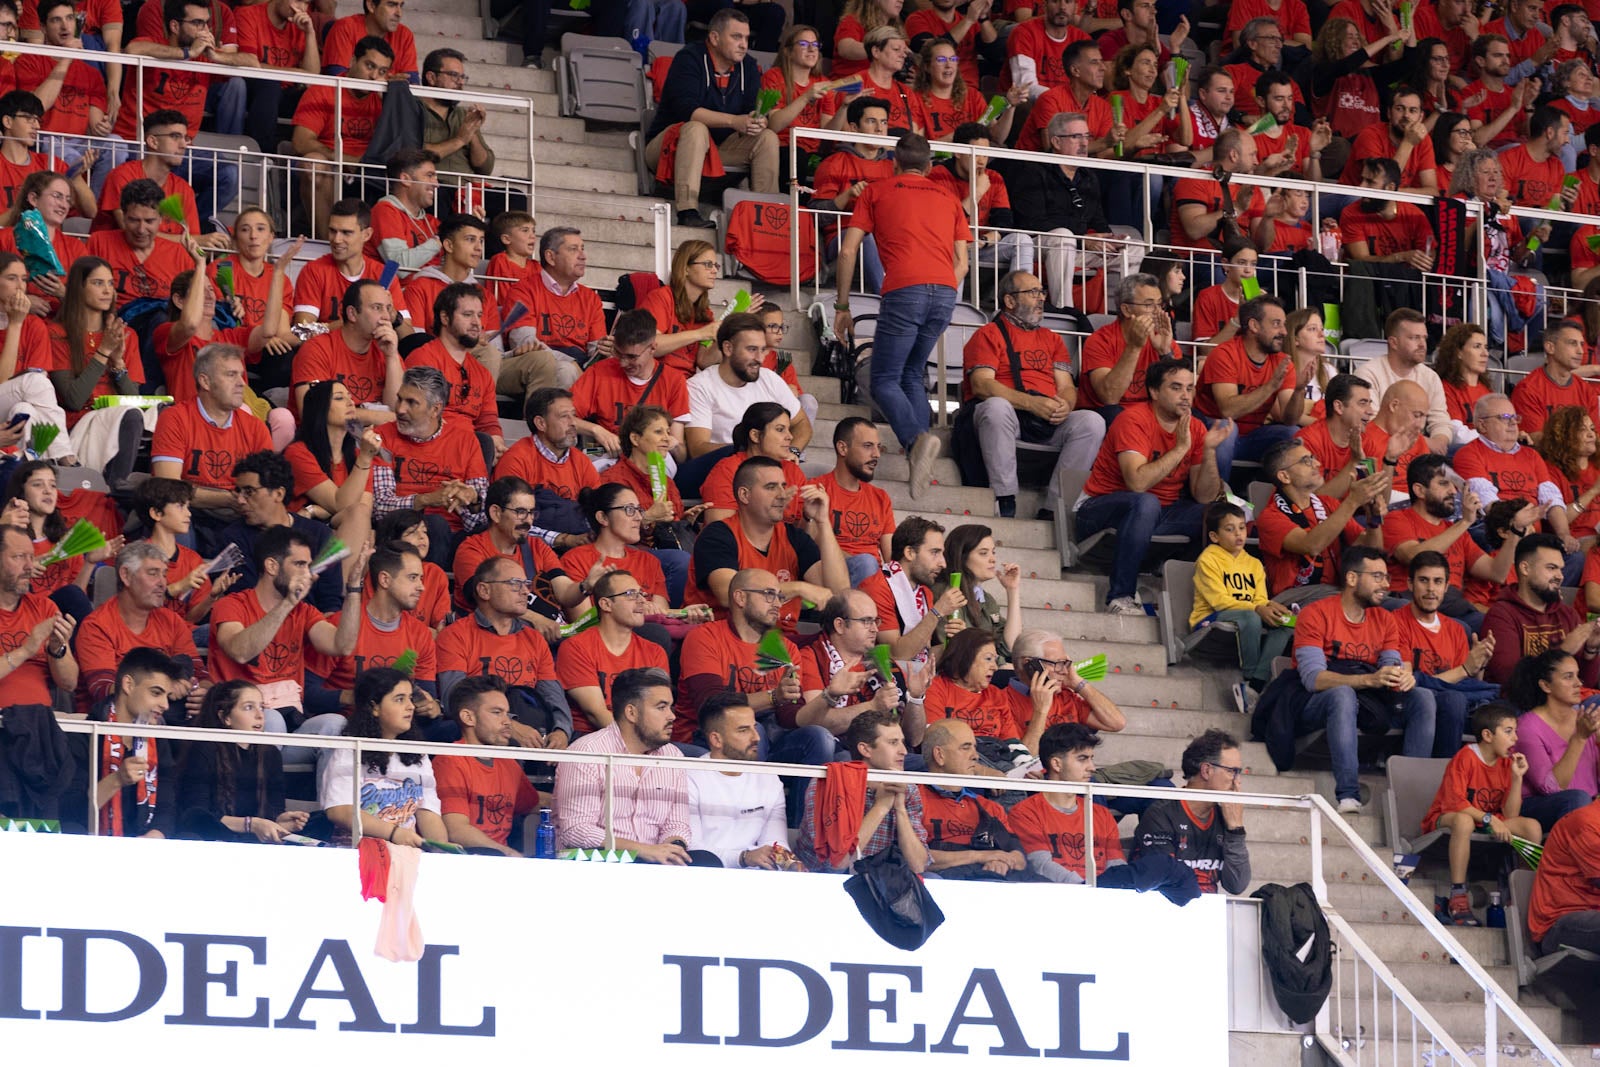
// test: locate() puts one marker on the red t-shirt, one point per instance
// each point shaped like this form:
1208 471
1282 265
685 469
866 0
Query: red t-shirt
1409 229
271 46
133 170
1430 651
1061 98
945 115
1375 142
500 267
471 553
327 357
565 479
97 15
1031 39
1290 15
391 222
780 559
1269 144
906 108
1323 625
996 196
83 89
663 308
1230 363
338 47
378 648
472 395
1494 104
1514 475
453 454
1208 194
1459 400
1101 351
151 25
810 116
308 473
1586 521
520 657
1470 783
164 88
570 321
1529 183
1041 826
315 112
861 518
61 359
12 176
321 285
177 368
849 29
284 658
252 291
180 566
139 279
1039 354
916 223
1537 395
839 172
68 248
1136 430
877 587
493 796
1275 522
1410 524
1568 871
206 451
604 394
950 821
988 712
584 660
1067 707
623 472
928 21
30 682
1213 309
714 652
578 562
717 489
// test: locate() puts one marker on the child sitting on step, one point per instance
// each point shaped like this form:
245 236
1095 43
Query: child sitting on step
1481 793
1230 585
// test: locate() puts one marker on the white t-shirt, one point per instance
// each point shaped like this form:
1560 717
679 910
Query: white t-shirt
717 406
730 814
394 796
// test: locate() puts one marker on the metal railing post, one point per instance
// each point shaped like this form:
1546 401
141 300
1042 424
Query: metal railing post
1319 884
610 807
94 784
355 797
1091 866
661 219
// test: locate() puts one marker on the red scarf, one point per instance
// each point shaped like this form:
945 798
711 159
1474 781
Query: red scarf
111 756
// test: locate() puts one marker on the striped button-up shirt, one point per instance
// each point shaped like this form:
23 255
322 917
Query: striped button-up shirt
650 804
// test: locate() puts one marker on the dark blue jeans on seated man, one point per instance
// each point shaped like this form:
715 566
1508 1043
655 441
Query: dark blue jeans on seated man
1251 446
1137 517
1336 710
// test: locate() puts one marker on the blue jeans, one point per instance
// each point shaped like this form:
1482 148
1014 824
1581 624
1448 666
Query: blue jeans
1335 710
869 260
862 566
656 20
1251 446
1137 517
1449 721
910 322
1547 808
675 567
692 472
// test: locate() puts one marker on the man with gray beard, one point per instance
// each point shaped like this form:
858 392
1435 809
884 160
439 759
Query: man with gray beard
1018 379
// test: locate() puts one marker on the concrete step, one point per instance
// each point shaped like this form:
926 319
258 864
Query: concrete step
1287 827
616 231
1263 1050
1435 986
1168 722
1458 1019
585 179
457 22
892 465
1125 746
1276 861
620 256
1084 628
591 204
1182 689
580 154
951 497
1410 943
1023 533
496 64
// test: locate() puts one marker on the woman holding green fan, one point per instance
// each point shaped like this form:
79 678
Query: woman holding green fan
970 560
31 503
646 431
27 348
50 196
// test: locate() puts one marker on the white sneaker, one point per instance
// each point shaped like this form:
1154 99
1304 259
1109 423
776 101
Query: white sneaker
924 450
1125 605
1350 806
1241 697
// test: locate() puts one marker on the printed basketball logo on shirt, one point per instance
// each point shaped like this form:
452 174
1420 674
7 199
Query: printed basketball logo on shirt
560 324
421 470
1486 798
1359 651
1035 359
1514 483
277 656
10 642
1068 847
368 663
853 524
361 387
137 283
750 680
952 829
212 462
507 667
254 308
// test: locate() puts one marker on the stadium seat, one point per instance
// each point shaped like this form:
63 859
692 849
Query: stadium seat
1095 551
1568 977
1214 641
1413 781
600 78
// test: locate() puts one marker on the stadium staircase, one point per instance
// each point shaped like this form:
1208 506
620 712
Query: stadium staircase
586 178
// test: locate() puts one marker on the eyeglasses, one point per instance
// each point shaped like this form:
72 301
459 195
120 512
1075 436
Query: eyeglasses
1147 305
942 60
1071 137
1307 460
1054 664
710 264
454 75
198 24
807 46
1233 772
633 511
1029 292
869 621
515 583
770 594
776 327
1510 418
1384 574
627 594
521 513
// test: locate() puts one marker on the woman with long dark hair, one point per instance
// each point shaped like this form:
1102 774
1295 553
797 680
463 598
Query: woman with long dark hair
234 791
324 457
93 353
1462 362
399 803
969 550
32 502
1557 734
50 195
1452 139
1568 447
764 431
27 347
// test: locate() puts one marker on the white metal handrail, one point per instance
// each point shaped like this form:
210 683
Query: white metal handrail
1317 807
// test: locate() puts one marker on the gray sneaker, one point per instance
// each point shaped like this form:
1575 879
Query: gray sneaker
924 450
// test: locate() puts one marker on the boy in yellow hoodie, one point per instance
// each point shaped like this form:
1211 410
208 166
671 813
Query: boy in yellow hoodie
1230 585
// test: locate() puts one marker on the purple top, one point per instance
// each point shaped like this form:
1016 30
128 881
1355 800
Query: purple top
1544 748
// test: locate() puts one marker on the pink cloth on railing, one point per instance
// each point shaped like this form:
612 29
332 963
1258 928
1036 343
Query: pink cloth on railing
389 872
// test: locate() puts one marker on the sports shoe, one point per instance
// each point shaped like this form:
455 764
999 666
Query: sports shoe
1350 806
1125 605
1460 911
692 219
924 450
1006 506
1241 697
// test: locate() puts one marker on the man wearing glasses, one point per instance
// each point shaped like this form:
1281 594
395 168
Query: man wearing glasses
494 639
589 662
437 463
1206 837
166 142
1014 367
839 682
453 131
1063 201
1263 39
1046 691
1347 652
511 512
1303 530
263 483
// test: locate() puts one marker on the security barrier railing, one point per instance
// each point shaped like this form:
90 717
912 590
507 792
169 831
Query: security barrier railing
1411 1033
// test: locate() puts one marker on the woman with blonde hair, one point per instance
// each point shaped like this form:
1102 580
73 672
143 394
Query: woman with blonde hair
682 309
800 95
887 49
860 18
949 100
1308 347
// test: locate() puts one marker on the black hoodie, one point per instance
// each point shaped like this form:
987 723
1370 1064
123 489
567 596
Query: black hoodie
692 84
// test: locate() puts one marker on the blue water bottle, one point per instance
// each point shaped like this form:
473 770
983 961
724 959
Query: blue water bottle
1496 915
544 841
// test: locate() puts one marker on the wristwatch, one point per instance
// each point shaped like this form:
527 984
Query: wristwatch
1485 820
55 654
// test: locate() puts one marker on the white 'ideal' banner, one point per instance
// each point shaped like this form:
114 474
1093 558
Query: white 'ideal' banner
249 954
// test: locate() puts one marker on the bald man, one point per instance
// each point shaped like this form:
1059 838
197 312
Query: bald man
1398 432
839 681
1406 334
968 835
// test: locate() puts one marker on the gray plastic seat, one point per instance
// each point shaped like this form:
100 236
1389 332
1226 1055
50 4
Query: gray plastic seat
600 78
